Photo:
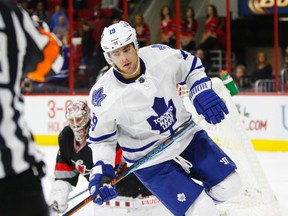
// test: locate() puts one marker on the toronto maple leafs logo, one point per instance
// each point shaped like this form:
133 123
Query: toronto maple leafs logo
98 96
181 197
166 115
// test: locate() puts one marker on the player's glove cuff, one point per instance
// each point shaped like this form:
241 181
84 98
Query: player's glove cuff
199 86
207 102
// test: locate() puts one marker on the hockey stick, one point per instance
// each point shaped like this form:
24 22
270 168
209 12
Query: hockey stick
76 195
163 145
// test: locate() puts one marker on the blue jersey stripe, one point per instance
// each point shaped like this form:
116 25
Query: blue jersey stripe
191 70
129 161
138 149
97 139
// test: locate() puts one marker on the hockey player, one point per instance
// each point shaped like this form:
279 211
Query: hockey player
136 104
74 158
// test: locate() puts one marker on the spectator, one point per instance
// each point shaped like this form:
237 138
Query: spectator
241 80
285 68
62 28
100 66
188 31
61 79
142 30
213 33
263 69
33 3
42 13
111 9
41 23
55 17
53 54
167 27
205 59
115 20
97 13
88 45
26 85
285 64
36 84
77 4
25 5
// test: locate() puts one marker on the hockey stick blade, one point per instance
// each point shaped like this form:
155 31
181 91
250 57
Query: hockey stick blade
163 145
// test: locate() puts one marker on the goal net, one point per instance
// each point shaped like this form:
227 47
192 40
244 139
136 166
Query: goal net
256 198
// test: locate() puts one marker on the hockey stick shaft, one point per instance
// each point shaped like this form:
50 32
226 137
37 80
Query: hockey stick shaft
167 142
76 195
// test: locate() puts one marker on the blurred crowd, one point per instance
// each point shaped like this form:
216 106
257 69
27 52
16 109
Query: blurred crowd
91 16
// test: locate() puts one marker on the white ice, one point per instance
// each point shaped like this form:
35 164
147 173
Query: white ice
274 165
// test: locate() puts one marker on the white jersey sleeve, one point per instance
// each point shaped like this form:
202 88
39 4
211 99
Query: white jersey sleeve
184 67
103 126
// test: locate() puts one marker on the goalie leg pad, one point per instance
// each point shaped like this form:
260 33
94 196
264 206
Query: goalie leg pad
226 189
202 206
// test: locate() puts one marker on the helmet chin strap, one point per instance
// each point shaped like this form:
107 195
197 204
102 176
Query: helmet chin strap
128 74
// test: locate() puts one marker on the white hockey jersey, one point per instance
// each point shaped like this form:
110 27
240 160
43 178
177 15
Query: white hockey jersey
139 113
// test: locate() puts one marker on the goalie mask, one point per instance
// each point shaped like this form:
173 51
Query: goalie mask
77 115
116 36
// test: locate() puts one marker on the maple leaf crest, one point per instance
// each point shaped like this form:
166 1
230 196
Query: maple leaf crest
98 96
166 115
181 197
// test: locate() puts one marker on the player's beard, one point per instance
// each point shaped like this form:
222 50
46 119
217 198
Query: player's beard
130 75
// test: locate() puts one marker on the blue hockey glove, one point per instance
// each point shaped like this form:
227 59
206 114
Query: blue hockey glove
100 174
207 102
